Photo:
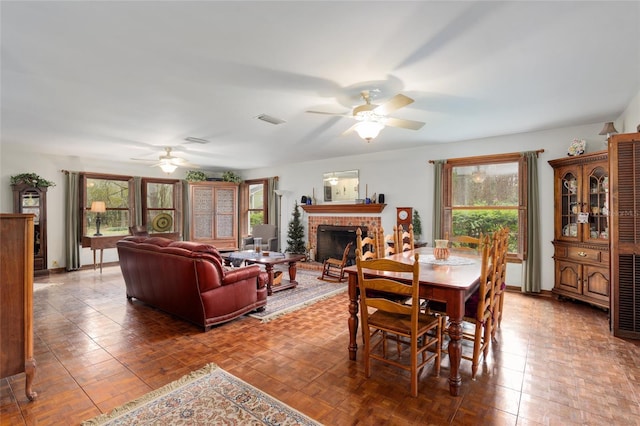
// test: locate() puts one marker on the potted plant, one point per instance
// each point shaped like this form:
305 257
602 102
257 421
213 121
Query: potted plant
417 225
229 176
31 179
295 242
195 176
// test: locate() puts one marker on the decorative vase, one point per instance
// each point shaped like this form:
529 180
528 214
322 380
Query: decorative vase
441 251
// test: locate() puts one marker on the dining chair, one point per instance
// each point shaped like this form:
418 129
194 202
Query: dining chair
405 239
465 243
333 269
366 245
500 277
478 309
383 317
386 243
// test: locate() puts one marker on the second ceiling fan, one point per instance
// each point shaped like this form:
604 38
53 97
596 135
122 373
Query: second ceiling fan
373 118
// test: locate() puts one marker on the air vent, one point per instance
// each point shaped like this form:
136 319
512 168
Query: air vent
270 119
196 140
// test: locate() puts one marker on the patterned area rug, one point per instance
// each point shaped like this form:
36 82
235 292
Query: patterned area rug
208 396
309 290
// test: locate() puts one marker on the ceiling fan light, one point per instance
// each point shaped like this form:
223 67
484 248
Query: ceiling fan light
168 167
368 130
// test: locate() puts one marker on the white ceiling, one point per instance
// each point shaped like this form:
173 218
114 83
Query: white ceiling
121 80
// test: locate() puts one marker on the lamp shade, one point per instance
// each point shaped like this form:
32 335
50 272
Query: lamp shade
368 130
98 207
608 129
168 167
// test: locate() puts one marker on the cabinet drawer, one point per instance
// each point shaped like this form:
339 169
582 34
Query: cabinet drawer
586 254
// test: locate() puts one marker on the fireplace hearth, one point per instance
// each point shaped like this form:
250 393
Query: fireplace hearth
332 240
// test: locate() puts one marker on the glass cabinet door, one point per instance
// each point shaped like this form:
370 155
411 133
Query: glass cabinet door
30 203
597 201
571 206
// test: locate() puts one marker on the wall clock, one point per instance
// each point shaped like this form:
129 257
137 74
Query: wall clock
404 217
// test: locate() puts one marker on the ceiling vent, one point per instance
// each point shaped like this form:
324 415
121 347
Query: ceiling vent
196 140
270 119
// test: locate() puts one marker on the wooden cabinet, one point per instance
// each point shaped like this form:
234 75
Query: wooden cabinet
29 199
214 214
624 163
581 228
16 294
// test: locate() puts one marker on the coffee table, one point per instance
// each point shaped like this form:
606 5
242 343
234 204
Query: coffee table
250 257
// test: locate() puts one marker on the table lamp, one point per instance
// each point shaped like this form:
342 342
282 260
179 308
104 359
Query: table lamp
98 207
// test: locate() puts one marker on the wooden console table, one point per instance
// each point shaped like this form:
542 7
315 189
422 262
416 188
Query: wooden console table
100 243
103 242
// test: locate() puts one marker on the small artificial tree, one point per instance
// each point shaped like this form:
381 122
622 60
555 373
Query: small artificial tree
295 242
417 224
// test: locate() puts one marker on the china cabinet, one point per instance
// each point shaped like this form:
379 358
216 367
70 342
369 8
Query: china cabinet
214 214
33 199
581 228
16 294
624 163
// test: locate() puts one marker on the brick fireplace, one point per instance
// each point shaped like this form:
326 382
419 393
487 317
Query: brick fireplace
366 222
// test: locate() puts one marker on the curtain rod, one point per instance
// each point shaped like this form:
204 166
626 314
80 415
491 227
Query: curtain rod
538 151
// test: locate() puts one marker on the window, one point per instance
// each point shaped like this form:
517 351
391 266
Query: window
115 192
257 203
161 205
484 193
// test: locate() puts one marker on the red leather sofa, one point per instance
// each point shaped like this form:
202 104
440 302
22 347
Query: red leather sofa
188 279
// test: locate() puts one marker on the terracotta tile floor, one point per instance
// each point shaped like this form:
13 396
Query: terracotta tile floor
555 363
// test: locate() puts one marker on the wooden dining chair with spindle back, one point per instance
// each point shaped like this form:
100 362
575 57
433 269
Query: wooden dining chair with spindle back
405 239
367 245
500 273
383 317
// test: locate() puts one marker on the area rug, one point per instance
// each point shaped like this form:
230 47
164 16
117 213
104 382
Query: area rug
308 291
209 396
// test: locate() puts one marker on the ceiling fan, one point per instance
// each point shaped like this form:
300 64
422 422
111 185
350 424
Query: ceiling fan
373 118
169 162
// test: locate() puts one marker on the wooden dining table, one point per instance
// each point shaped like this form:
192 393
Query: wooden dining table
450 283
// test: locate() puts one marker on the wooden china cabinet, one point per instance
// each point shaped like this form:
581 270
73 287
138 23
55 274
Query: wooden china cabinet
214 214
33 199
581 222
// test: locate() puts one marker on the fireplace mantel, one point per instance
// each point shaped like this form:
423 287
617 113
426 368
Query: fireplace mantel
343 208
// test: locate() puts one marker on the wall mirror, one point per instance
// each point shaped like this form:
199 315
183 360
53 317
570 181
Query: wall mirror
340 186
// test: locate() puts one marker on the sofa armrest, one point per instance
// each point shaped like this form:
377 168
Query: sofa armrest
239 274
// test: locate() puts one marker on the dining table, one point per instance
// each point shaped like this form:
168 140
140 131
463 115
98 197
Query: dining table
451 281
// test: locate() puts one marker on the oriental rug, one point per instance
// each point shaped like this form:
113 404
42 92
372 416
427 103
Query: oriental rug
308 291
209 396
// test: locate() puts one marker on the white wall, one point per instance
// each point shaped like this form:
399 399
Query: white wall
404 176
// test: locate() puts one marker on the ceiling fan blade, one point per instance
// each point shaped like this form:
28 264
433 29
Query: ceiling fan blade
350 129
393 104
405 124
340 114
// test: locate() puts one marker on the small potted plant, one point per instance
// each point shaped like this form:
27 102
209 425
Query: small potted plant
195 176
231 177
31 179
417 225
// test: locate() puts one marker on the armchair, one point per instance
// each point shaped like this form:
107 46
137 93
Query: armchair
269 238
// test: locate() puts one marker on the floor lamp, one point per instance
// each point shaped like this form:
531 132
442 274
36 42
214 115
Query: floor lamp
279 193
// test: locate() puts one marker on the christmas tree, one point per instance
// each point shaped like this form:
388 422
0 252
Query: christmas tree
295 242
